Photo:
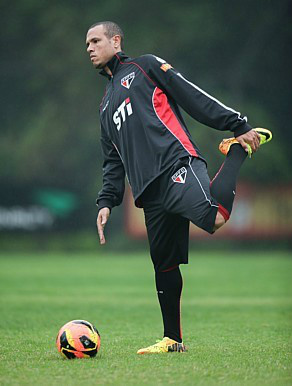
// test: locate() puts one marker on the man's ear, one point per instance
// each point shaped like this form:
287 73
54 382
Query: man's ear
116 41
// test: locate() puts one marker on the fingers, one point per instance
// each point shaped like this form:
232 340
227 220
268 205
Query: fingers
101 221
243 144
252 138
258 140
255 141
100 228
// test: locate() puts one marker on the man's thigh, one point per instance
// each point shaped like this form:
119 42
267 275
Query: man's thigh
188 193
168 234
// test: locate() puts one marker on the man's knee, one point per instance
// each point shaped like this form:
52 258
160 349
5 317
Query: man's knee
219 221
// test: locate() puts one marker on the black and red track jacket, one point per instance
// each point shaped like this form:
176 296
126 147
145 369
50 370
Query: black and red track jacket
142 129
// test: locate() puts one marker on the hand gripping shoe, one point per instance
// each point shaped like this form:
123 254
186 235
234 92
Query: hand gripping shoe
265 136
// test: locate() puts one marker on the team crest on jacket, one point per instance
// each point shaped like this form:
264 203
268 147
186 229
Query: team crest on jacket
127 80
180 176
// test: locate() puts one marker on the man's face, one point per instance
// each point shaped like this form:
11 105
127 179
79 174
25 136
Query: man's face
100 48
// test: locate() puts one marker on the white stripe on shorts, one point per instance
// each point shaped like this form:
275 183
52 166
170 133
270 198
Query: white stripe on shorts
207 199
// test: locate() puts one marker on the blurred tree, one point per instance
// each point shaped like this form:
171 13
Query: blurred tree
236 51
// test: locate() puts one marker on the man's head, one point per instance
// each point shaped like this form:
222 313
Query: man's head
103 40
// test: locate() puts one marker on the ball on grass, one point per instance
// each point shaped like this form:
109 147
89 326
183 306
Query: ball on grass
78 339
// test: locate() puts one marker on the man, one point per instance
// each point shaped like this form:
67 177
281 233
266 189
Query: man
144 137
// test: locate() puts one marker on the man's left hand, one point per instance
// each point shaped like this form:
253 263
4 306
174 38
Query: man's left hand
252 138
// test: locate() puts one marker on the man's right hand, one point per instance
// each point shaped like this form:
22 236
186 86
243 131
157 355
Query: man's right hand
102 218
252 138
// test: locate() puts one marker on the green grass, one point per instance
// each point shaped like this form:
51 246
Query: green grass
237 313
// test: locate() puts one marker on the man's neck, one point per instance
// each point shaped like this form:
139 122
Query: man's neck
108 71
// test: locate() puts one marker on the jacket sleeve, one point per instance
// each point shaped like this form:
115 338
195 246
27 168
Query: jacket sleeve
113 175
196 102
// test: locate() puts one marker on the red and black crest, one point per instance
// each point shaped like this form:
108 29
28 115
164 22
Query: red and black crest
127 80
180 176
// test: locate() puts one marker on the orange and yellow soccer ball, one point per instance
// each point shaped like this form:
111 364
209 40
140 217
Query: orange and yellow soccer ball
78 339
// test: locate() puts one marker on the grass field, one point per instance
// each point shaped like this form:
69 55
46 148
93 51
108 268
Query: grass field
237 317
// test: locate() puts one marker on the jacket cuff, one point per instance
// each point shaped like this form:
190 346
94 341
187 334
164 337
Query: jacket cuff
103 203
242 130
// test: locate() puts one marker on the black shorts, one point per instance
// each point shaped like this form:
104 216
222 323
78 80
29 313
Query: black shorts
178 196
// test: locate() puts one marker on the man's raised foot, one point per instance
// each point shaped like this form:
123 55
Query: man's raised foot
265 136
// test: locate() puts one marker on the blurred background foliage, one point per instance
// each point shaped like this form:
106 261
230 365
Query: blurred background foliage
237 51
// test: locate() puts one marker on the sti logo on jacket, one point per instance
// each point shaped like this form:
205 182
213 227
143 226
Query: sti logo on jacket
124 110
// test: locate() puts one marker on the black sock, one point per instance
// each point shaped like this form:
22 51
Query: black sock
169 288
223 186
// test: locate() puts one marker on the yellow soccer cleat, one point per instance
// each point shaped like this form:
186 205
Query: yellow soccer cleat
163 346
265 136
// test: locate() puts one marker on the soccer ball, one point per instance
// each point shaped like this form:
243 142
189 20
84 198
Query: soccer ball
78 339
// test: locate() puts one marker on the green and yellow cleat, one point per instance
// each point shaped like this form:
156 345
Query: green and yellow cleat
163 346
265 136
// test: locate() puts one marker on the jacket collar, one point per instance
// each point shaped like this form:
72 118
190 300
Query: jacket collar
114 64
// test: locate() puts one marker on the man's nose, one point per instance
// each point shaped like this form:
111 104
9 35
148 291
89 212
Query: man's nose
89 48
